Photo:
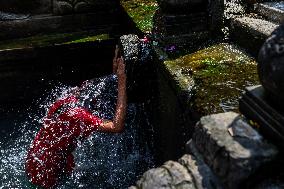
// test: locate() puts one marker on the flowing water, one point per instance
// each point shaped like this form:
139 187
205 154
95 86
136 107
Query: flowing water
102 161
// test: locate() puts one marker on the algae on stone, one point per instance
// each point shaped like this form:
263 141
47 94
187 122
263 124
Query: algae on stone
52 39
142 12
220 73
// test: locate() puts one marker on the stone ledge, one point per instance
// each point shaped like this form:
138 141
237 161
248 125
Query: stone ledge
48 24
251 32
255 26
170 175
232 158
188 173
272 14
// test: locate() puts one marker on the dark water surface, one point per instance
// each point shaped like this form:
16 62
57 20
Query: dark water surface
102 161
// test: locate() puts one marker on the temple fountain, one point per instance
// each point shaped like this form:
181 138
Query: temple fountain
214 109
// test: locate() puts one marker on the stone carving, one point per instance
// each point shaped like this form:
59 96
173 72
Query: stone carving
26 6
61 7
271 66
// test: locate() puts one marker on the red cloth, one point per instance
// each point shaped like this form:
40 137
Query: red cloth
51 152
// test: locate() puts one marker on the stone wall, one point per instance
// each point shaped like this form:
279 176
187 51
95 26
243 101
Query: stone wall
223 153
26 6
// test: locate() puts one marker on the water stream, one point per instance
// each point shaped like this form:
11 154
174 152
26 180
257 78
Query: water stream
102 161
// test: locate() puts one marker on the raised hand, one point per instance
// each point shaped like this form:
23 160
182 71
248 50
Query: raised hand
114 61
121 69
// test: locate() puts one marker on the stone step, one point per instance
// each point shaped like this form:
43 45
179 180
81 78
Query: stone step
231 148
250 32
273 11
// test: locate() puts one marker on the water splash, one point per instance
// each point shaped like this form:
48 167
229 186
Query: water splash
233 8
102 161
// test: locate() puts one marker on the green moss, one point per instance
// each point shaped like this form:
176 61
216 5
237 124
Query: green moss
221 72
142 12
52 39
90 38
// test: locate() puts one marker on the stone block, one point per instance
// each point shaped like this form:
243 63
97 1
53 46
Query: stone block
189 172
253 30
232 149
202 175
271 10
168 176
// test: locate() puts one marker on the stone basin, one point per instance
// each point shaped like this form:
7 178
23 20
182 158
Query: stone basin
215 77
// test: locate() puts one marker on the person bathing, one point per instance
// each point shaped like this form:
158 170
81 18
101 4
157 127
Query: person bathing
67 121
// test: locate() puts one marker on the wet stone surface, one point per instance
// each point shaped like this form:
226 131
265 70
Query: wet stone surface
215 77
231 147
188 172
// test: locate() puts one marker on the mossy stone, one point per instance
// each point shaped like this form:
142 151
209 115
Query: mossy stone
220 73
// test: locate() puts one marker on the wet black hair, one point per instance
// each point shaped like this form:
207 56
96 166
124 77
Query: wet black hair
138 58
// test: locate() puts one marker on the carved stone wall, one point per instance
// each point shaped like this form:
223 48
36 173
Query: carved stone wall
26 6
61 7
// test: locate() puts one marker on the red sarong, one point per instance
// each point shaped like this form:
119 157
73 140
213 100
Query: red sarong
50 155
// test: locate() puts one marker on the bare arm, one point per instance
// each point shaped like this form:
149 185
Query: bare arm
117 125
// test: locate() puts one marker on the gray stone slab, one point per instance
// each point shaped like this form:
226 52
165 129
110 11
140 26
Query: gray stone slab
26 6
232 156
271 10
255 26
47 23
251 32
168 176
189 172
